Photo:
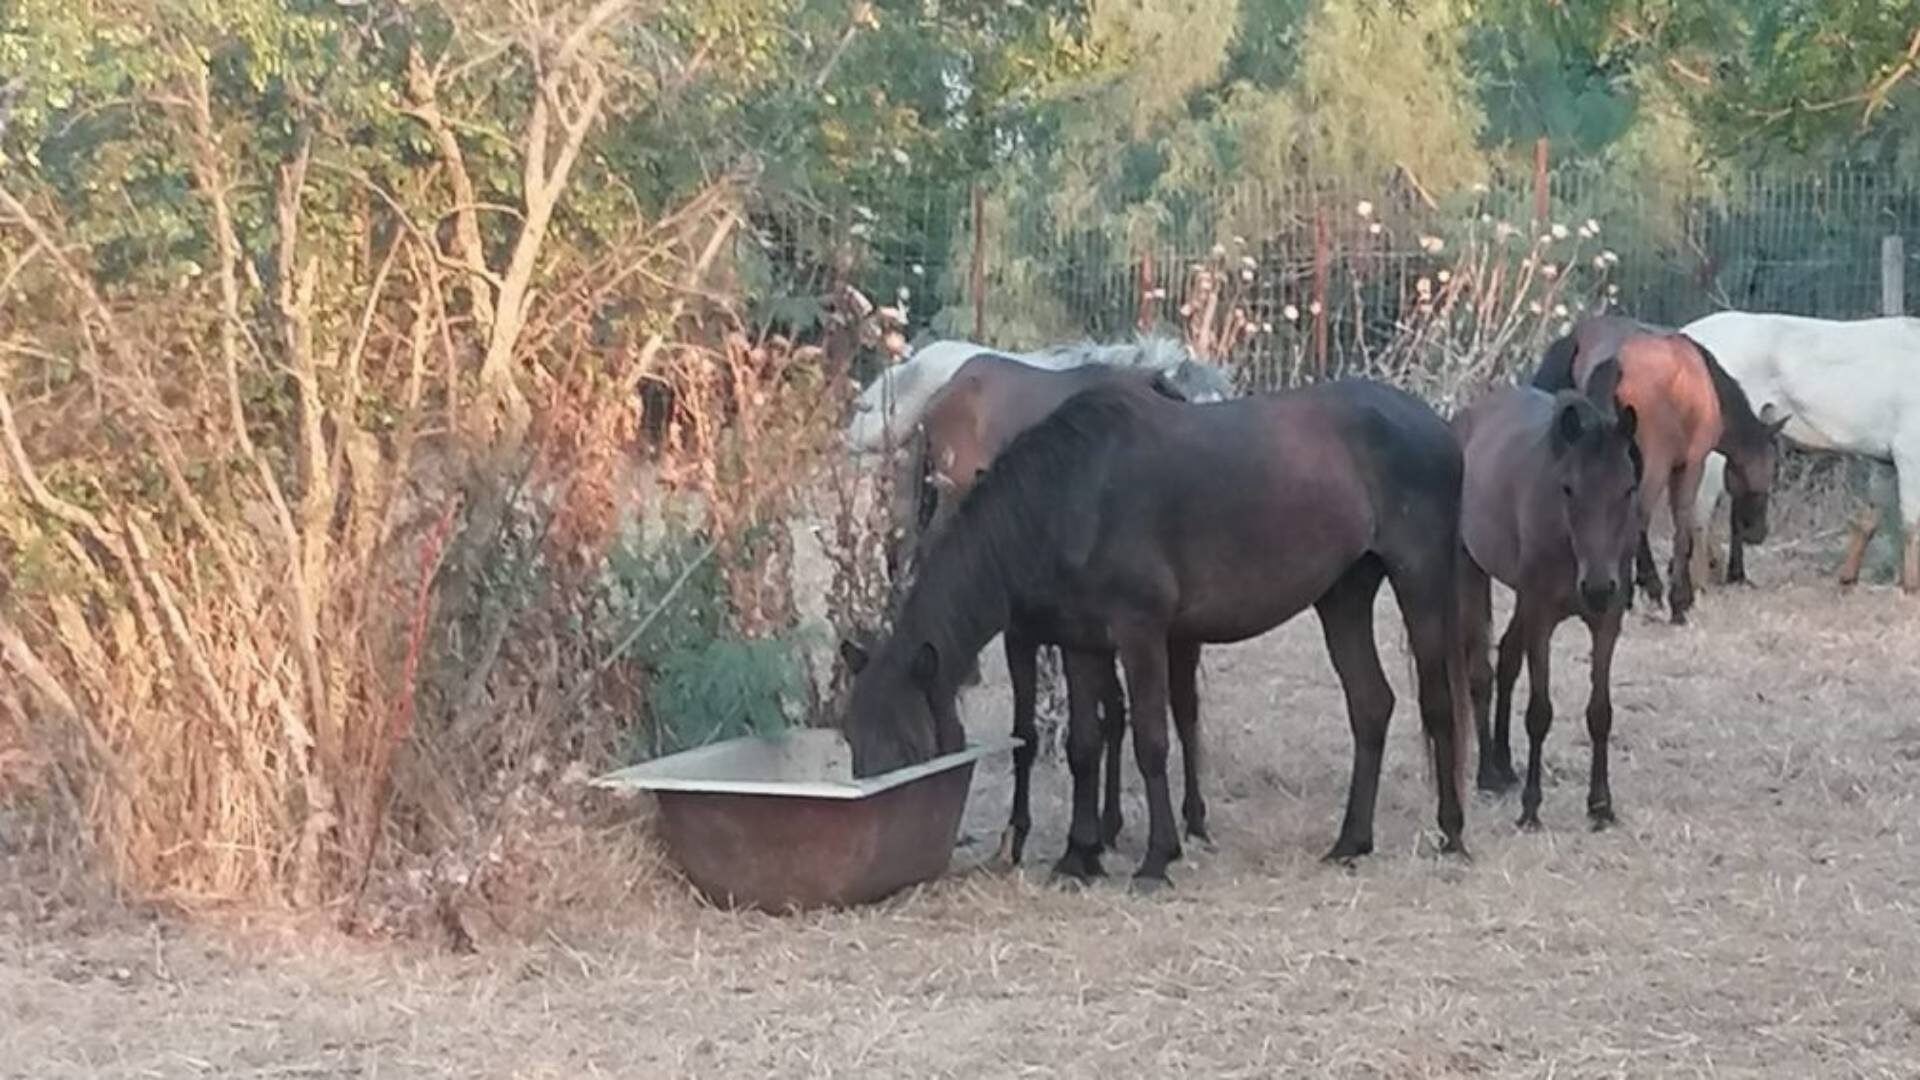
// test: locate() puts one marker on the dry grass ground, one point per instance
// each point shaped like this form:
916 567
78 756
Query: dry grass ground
1757 912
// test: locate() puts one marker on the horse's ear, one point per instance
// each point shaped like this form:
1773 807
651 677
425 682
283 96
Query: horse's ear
1629 421
926 665
854 655
1568 426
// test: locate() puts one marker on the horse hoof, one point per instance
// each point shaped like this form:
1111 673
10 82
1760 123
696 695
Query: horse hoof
1199 835
1008 854
1455 847
1079 866
1600 818
1150 884
1346 851
1529 821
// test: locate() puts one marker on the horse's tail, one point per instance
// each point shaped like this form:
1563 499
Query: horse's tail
1556 367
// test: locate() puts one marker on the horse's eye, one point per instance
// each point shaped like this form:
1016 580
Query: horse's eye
1567 490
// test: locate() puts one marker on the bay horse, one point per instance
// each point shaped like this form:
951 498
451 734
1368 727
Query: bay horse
1688 406
1849 386
889 409
989 400
1551 508
1128 522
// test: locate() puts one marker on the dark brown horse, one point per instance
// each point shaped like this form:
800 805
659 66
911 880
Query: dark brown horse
1688 406
1551 508
967 423
1126 521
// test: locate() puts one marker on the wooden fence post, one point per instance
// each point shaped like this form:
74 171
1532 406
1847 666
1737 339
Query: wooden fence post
978 285
1540 204
1893 275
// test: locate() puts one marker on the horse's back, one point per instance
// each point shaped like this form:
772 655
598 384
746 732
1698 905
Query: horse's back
1851 385
1571 358
1503 441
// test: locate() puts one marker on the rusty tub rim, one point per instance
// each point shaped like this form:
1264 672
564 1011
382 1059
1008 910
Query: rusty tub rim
680 771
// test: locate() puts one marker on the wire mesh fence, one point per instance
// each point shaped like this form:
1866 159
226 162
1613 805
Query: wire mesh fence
1310 279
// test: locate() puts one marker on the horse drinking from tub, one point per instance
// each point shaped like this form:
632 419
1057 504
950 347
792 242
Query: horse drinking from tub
888 410
1126 521
988 401
1846 386
1551 508
1687 406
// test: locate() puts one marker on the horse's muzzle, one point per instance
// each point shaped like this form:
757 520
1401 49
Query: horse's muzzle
1598 596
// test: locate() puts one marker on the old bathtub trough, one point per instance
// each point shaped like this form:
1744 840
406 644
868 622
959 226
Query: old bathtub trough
779 823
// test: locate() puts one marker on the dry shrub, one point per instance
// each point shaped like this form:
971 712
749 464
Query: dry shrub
306 546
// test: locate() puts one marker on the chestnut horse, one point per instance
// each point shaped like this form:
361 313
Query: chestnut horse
965 425
1551 508
1688 406
1126 521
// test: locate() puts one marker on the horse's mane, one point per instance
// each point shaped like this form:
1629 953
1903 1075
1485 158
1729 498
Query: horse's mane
1735 409
1154 351
1033 506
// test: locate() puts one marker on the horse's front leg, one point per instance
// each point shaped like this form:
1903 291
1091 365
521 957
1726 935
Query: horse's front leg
1023 673
1606 633
1183 676
1084 672
1476 619
1537 634
1680 570
1646 572
1859 535
1143 650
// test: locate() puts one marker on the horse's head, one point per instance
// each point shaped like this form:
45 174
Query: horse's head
1597 466
1752 462
902 708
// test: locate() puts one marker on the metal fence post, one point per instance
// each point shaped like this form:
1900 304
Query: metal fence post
978 284
1893 275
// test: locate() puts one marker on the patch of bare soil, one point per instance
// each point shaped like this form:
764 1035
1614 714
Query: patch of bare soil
1756 912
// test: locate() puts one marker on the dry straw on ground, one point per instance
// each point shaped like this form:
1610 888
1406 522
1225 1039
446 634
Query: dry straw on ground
1755 914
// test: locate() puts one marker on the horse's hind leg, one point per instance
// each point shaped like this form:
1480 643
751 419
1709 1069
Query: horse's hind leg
1606 633
1346 621
1907 461
1427 590
1023 673
1183 693
1538 636
1113 726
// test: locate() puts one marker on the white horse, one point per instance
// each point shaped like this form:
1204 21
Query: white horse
1846 386
890 408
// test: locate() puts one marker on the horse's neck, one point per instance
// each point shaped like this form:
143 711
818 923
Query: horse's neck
960 601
